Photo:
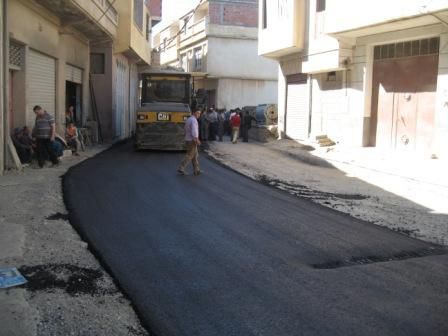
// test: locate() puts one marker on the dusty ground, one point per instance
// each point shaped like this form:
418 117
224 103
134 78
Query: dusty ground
405 194
68 292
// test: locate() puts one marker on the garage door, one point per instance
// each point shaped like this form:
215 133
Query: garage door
73 74
404 95
297 107
42 83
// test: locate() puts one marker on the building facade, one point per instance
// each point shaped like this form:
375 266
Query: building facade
217 43
368 73
114 73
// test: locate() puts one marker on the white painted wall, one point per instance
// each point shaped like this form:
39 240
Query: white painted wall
285 27
238 58
348 14
233 93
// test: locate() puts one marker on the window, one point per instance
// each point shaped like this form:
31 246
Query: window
265 15
169 89
148 27
331 76
320 5
138 14
15 54
198 59
319 28
407 49
184 62
97 63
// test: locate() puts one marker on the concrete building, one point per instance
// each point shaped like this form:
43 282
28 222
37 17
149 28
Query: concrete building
63 53
49 56
217 42
114 72
365 73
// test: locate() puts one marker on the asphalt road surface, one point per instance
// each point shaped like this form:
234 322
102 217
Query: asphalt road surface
220 254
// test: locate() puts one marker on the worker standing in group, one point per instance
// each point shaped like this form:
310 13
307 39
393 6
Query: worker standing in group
192 142
235 122
247 125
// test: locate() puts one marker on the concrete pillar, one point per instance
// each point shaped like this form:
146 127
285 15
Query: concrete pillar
86 113
60 96
282 88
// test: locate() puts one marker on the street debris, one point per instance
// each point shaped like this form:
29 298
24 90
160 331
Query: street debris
306 192
74 280
11 277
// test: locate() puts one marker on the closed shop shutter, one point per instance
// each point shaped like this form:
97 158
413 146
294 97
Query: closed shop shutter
42 83
73 74
133 91
297 109
121 100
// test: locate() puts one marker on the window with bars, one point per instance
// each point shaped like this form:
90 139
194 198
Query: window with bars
15 54
422 47
198 59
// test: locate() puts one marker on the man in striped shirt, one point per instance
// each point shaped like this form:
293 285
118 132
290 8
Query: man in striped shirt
44 132
192 141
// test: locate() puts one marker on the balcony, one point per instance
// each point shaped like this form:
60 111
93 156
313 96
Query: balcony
96 19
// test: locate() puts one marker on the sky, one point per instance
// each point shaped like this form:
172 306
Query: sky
173 9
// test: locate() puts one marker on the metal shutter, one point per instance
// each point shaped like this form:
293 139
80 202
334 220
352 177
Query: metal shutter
297 115
121 102
42 83
73 74
133 91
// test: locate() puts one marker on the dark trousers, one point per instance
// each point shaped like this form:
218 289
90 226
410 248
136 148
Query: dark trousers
44 150
245 133
213 130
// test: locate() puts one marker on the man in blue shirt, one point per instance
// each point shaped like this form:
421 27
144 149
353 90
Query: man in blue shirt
192 142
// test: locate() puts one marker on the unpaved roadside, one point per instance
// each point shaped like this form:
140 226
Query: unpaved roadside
360 193
68 292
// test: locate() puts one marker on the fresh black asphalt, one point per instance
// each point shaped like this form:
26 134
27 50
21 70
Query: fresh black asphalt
220 254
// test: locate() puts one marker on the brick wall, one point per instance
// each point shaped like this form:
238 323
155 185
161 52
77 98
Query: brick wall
155 7
234 13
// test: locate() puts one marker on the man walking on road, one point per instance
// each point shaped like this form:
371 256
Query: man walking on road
44 131
192 141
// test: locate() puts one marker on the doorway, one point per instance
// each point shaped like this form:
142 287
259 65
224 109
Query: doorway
73 98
